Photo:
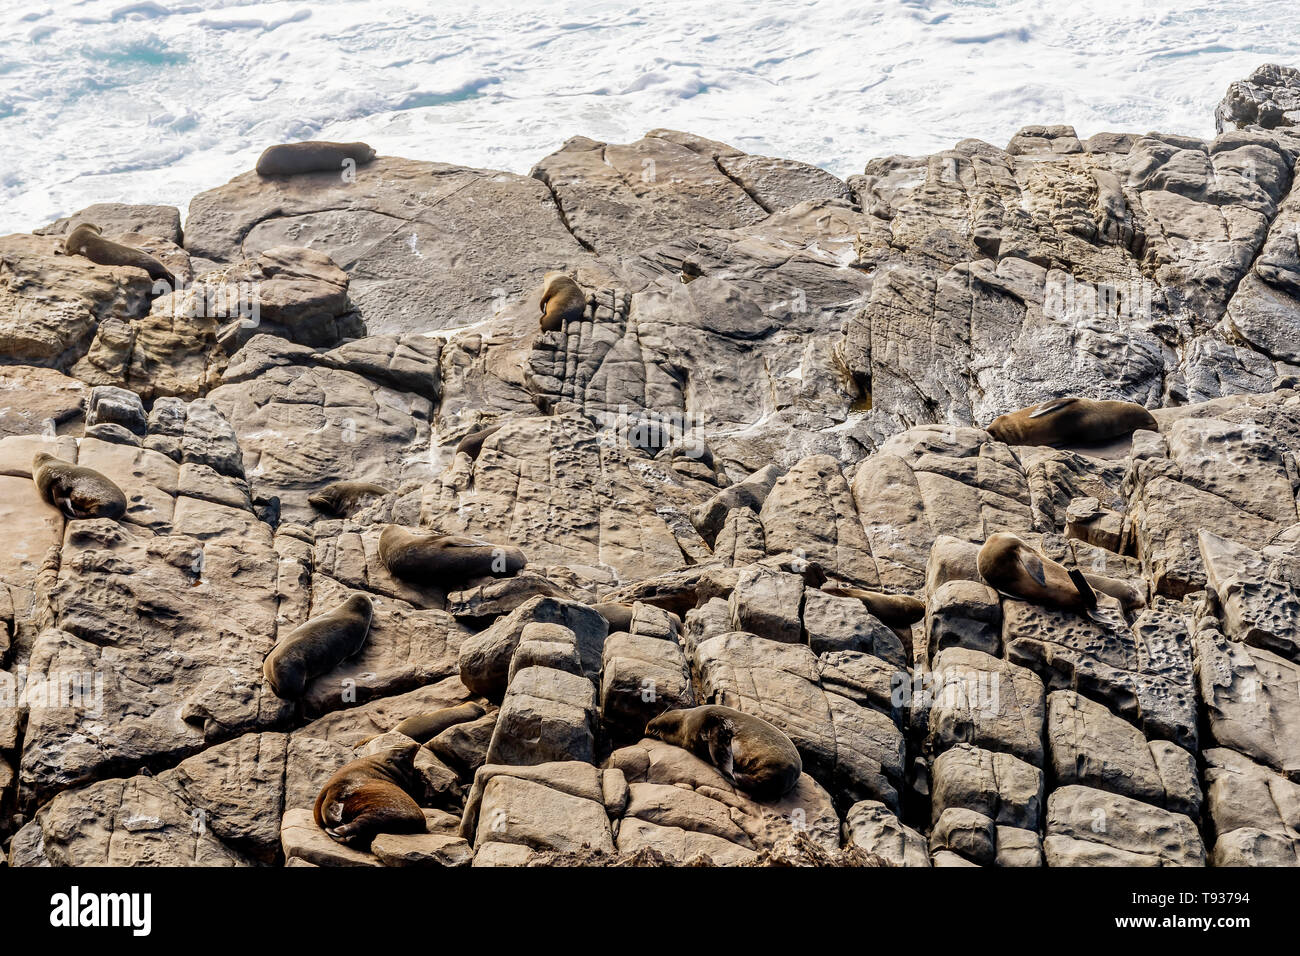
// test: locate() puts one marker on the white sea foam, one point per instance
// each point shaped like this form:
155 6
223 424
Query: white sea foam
113 101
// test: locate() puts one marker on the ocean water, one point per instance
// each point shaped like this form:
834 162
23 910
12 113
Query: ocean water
156 100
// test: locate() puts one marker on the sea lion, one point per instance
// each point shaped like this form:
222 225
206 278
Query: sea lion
562 300
311 156
472 443
445 558
1071 421
894 610
317 647
693 449
424 727
1128 595
750 752
76 491
371 795
87 242
1013 567
618 615
341 498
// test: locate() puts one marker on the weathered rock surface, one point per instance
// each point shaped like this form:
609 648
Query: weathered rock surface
1087 827
777 387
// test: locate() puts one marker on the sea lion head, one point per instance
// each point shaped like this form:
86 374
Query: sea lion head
667 726
397 762
325 500
360 605
340 498
1004 556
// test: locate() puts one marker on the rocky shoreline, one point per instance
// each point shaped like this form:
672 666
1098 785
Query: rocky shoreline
777 390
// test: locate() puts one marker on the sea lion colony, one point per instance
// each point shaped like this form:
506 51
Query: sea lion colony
369 796
378 793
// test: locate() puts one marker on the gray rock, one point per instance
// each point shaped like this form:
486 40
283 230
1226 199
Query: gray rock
980 700
1087 827
997 785
1251 700
547 715
1253 812
485 658
834 623
418 249
768 603
1258 593
641 677
1269 98
964 614
1090 746
870 825
114 218
966 833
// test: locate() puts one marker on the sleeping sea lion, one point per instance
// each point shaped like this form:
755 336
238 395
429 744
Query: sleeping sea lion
443 559
894 610
371 795
341 499
311 156
618 615
1071 421
86 241
562 301
1010 565
750 752
76 491
317 647
424 727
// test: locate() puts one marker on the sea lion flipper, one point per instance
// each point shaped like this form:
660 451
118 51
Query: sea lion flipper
1085 589
1033 566
721 754
1048 407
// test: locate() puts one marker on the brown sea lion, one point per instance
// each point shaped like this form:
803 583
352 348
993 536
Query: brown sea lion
894 610
86 241
472 443
371 795
618 615
562 300
424 727
311 156
76 491
317 647
750 752
342 498
1071 421
445 558
1010 565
